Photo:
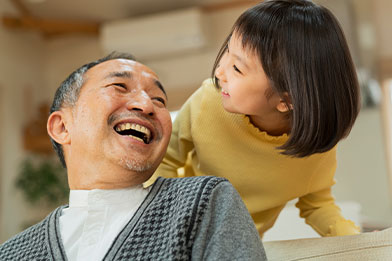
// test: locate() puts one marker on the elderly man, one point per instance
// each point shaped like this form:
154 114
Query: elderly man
110 127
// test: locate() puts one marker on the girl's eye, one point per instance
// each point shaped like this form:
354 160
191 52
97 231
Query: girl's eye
236 69
159 99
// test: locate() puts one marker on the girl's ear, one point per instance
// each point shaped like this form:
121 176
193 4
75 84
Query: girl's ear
285 104
57 128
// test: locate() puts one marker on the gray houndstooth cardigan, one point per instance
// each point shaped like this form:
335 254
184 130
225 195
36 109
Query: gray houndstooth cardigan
199 218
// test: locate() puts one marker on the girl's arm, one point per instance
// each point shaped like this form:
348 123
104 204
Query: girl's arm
318 205
321 213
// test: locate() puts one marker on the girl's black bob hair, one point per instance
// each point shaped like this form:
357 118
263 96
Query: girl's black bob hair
304 53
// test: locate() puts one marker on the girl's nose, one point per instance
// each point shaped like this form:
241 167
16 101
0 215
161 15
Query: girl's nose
141 102
219 72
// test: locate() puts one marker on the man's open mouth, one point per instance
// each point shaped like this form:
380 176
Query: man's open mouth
135 131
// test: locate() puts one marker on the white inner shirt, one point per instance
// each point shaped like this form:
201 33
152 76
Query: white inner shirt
94 218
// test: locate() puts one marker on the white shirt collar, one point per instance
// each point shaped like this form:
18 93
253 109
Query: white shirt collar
95 217
104 197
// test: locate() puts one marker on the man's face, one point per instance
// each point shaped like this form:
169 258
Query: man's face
119 120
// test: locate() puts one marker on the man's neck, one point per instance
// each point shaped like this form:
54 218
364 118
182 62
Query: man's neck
99 180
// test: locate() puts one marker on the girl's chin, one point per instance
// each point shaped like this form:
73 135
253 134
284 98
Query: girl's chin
230 109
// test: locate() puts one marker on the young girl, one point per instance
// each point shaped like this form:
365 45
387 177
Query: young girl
286 93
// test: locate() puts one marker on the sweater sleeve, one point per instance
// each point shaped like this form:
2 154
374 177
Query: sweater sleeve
321 213
181 142
227 231
318 207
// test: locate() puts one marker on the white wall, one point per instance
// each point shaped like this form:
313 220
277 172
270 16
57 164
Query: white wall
20 70
361 174
344 12
65 54
382 9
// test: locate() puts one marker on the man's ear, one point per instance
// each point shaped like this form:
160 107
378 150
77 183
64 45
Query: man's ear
57 127
285 104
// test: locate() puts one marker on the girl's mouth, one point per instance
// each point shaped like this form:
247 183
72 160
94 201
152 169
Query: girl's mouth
224 93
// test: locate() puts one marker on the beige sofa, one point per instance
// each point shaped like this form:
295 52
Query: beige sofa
366 246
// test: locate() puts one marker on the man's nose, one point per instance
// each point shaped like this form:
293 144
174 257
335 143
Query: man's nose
142 102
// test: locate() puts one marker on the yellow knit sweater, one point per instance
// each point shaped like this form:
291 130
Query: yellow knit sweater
207 140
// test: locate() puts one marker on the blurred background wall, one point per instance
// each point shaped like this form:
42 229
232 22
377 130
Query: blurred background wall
49 41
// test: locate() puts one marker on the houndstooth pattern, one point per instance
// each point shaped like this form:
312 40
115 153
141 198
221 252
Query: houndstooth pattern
28 245
167 229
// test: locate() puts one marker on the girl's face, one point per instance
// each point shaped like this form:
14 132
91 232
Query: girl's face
245 86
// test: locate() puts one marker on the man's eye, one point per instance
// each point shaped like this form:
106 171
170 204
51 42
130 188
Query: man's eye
236 69
122 85
159 99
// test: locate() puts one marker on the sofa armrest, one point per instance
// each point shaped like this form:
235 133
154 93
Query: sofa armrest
366 246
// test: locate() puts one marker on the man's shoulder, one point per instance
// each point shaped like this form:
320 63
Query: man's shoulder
191 184
28 239
190 192
30 243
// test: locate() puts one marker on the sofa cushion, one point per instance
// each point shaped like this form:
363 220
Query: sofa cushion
366 246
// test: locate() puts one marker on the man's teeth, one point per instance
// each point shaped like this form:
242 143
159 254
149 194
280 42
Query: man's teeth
134 126
136 138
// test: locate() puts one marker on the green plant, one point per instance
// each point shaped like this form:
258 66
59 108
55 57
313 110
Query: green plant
42 178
